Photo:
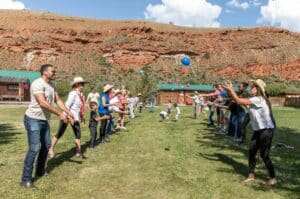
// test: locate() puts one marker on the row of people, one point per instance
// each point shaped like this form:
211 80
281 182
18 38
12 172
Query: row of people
236 109
44 95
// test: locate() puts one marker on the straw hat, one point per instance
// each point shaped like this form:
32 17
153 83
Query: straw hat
139 94
77 80
117 91
196 92
261 84
107 87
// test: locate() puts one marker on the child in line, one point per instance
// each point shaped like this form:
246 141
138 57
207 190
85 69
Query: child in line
140 102
212 108
93 122
169 107
177 111
131 104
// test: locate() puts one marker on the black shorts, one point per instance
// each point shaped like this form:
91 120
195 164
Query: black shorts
63 126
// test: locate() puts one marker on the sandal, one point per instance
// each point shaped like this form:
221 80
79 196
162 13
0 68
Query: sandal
248 180
51 154
271 182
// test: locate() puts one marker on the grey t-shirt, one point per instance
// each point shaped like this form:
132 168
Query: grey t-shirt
35 110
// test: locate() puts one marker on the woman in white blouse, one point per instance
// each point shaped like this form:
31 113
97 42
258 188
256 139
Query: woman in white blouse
75 103
263 124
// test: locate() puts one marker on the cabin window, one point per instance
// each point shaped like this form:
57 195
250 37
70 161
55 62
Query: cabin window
13 87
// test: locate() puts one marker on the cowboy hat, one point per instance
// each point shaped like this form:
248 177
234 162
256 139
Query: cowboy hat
77 80
260 84
107 87
117 91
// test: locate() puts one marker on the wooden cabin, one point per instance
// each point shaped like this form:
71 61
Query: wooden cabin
291 99
15 85
178 92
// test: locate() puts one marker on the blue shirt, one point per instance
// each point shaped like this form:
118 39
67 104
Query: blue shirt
101 109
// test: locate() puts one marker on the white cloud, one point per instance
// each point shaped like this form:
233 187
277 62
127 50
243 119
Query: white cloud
237 4
11 4
285 13
194 13
228 11
255 3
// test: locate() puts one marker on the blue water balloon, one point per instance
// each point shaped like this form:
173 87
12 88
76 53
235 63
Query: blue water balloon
186 61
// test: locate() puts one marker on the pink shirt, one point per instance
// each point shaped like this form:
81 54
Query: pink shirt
121 103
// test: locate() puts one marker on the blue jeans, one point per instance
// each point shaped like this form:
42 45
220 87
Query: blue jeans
39 142
111 123
152 105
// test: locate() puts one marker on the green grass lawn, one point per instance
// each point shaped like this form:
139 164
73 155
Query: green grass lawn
153 159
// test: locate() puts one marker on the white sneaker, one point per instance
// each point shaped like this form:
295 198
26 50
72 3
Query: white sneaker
123 127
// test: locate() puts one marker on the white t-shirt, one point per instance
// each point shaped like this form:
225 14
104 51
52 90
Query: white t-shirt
196 99
131 102
201 100
93 97
260 114
35 110
114 100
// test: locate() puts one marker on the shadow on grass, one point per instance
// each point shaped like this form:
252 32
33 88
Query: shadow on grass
68 156
237 166
7 133
286 161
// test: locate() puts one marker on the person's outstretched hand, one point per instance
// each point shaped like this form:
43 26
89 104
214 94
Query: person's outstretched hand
227 85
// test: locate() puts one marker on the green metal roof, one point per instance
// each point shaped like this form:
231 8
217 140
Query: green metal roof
30 75
192 87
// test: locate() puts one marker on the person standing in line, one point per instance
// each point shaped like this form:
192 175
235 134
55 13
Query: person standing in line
196 100
76 104
92 96
122 107
103 111
43 95
263 124
201 104
93 123
152 101
131 104
211 106
246 118
140 102
169 107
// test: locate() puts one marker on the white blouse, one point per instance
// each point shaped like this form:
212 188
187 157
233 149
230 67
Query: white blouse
260 114
74 104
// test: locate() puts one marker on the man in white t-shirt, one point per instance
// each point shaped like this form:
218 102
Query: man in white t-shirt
43 95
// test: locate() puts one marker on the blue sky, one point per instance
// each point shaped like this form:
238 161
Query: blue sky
197 13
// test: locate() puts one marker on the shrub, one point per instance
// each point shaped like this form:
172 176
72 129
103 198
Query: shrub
275 89
102 62
63 88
